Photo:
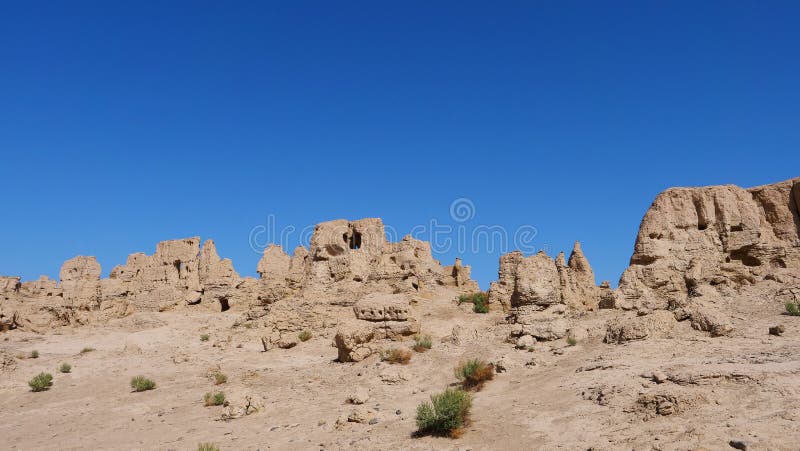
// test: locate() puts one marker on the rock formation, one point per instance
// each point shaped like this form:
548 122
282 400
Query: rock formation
346 261
697 247
349 259
540 293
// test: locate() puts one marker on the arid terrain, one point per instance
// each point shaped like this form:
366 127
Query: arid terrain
694 350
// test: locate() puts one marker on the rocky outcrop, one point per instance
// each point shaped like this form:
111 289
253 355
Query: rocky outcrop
703 241
697 247
349 259
346 261
540 293
380 317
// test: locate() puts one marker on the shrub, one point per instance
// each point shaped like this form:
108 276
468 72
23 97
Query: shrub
204 337
207 447
65 368
214 399
446 414
474 373
793 309
304 335
479 300
422 343
86 349
220 378
41 382
395 355
34 354
141 383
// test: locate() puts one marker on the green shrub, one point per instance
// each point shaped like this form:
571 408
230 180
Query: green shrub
214 399
204 337
304 335
572 341
65 368
446 414
41 382
474 373
34 354
793 309
141 383
220 378
207 447
422 343
395 355
86 349
479 301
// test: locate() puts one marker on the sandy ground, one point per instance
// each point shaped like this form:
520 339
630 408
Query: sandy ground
588 396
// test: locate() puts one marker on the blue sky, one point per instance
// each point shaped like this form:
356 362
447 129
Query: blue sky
123 125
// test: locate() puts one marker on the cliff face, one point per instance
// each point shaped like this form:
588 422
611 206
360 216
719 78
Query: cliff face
696 242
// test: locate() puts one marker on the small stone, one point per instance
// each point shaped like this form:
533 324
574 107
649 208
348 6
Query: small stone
659 377
777 330
398 412
739 444
373 421
358 396
525 342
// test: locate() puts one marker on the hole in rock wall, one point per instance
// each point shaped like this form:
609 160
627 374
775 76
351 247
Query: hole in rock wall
745 258
355 240
224 306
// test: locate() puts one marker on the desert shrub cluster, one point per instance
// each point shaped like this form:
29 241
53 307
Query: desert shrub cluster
395 355
214 399
141 383
422 343
474 373
446 413
479 301
41 382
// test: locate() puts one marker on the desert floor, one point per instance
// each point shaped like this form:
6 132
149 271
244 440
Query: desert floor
588 396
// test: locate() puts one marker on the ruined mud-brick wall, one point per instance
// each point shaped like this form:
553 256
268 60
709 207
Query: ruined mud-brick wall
178 274
541 294
345 261
712 241
348 259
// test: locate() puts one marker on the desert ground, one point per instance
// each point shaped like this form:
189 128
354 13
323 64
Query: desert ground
685 392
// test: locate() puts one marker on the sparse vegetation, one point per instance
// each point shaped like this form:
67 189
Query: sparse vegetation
41 382
220 378
65 368
395 355
479 301
422 343
207 447
474 373
141 383
204 337
34 354
445 414
214 399
793 309
572 341
304 335
86 350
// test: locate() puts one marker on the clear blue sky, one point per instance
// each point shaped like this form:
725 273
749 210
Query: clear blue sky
124 125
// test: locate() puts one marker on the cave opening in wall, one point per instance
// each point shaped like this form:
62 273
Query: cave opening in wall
224 306
355 240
